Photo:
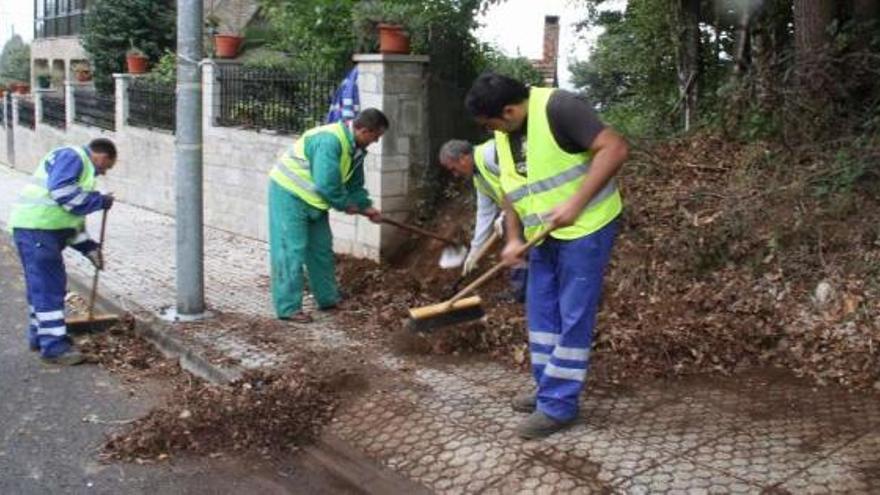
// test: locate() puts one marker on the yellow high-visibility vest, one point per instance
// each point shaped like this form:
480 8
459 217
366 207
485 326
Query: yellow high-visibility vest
552 177
35 208
293 172
487 178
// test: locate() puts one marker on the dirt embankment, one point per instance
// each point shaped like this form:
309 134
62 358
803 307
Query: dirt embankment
730 256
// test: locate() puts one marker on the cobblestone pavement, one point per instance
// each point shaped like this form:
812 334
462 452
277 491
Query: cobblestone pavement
448 426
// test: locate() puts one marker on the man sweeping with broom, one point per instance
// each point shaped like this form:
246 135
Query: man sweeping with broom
558 164
48 216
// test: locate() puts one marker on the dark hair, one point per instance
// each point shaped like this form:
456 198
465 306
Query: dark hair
103 146
371 119
491 92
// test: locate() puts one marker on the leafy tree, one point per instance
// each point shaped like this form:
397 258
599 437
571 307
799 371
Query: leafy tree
15 61
313 32
517 67
113 26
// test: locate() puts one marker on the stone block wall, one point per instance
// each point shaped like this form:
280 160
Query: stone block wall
236 161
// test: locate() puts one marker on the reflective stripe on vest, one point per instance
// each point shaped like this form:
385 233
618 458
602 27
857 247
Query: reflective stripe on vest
552 177
36 207
293 170
487 176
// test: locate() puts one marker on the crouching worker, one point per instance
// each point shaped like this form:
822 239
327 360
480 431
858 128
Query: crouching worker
48 216
480 163
323 169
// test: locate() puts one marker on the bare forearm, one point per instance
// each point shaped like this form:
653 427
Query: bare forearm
512 225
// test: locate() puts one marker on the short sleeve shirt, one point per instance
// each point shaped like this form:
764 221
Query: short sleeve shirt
573 122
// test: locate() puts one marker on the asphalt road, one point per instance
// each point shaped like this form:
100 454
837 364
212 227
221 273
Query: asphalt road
53 421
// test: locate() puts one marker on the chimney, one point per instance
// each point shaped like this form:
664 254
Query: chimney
551 39
551 50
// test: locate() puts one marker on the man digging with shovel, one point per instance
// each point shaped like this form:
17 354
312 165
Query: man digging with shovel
323 169
48 216
480 163
561 181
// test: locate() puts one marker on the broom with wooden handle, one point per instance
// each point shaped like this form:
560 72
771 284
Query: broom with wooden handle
459 308
92 322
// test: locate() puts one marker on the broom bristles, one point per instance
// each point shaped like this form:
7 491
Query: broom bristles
444 314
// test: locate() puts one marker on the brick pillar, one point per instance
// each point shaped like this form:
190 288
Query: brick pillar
397 85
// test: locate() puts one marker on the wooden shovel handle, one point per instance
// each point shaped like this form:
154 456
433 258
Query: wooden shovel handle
419 230
495 269
94 292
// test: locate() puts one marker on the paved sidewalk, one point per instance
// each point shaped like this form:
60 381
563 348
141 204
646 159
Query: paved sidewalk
449 427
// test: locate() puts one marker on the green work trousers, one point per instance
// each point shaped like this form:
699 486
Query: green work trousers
299 235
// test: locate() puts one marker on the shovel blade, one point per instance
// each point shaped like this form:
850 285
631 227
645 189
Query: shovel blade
453 256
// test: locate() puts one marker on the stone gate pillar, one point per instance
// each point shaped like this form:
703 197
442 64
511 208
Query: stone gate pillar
397 85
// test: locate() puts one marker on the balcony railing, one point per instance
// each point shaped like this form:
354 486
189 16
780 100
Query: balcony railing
58 18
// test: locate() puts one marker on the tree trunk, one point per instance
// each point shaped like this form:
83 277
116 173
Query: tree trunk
689 58
811 21
863 12
743 50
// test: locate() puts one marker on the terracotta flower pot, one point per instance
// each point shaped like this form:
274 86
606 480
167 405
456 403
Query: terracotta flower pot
226 45
20 88
392 39
137 64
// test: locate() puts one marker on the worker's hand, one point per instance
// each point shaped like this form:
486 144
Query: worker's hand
498 225
513 253
108 200
96 258
373 214
564 215
469 263
352 209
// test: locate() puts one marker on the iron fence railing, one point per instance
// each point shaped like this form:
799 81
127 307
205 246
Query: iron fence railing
151 105
54 111
273 99
94 109
26 113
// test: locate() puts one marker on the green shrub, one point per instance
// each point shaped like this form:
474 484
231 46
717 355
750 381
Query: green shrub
113 26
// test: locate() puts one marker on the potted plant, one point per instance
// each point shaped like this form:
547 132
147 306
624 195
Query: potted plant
44 81
82 72
386 25
19 87
227 39
136 60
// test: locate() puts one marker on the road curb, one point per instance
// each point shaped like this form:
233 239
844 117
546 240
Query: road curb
161 334
329 453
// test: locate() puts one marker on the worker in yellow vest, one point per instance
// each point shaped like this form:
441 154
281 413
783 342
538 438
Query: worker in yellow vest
323 169
480 164
558 167
48 216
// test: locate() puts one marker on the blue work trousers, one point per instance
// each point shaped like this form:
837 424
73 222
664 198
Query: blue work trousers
564 288
46 282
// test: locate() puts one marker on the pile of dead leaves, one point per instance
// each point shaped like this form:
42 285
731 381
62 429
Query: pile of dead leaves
722 251
263 412
120 350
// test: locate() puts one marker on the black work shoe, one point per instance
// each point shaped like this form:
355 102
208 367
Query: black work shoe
524 403
70 358
539 425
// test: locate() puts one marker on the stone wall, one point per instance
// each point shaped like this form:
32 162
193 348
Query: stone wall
236 161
